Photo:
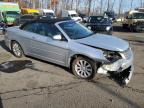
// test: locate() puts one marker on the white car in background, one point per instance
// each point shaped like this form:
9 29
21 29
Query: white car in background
47 12
71 14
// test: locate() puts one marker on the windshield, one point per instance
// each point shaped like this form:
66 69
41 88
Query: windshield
75 30
138 15
12 14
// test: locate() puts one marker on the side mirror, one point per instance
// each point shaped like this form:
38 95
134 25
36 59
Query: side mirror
57 37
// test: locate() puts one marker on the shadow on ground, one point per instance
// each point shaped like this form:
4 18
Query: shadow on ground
15 66
2 44
18 65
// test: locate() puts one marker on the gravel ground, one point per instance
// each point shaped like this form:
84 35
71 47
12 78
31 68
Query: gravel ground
33 83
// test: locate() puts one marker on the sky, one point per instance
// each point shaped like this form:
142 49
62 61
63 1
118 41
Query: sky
126 5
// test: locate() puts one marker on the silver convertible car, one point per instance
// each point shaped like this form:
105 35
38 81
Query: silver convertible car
70 44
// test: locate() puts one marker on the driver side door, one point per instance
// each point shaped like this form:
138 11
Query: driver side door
46 48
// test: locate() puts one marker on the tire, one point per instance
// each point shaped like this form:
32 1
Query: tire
131 28
84 68
124 26
17 49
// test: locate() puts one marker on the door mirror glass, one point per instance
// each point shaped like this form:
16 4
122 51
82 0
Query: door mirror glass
57 37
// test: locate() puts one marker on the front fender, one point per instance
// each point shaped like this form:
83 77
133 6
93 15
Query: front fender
90 52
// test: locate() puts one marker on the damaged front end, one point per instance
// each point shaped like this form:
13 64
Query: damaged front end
120 66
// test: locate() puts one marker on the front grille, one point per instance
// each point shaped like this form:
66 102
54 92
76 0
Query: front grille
99 28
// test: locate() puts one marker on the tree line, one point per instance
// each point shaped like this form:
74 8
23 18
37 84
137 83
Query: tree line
85 6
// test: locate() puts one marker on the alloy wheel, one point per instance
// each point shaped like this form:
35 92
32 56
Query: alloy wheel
83 68
16 48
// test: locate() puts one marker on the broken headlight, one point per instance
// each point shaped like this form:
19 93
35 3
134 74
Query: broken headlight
112 56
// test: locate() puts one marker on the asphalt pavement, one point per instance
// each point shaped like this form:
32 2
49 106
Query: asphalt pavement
33 83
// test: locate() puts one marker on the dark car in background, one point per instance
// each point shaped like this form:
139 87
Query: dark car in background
100 24
24 18
110 14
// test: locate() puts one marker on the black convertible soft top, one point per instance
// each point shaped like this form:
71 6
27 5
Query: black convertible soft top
45 21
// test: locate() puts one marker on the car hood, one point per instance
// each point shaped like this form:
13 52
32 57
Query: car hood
106 42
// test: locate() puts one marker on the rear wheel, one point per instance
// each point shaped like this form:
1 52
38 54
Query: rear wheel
84 68
17 49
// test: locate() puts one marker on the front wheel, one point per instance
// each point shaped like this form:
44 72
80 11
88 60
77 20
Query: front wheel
84 68
17 49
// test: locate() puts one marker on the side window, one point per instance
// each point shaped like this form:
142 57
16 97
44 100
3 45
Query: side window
48 30
41 29
30 27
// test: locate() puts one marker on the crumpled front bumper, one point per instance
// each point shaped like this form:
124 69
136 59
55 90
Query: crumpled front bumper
123 68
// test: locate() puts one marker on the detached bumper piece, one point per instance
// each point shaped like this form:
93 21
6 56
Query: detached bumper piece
120 70
124 77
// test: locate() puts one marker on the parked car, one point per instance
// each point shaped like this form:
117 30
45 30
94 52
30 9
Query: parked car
29 11
121 19
84 17
70 44
100 24
71 14
24 18
47 12
110 14
9 11
134 20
